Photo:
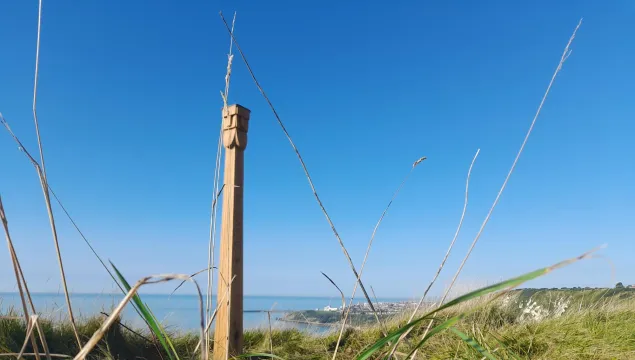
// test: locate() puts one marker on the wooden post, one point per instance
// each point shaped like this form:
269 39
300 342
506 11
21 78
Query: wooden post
228 336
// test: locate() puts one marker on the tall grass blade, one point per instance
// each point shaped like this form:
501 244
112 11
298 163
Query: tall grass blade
165 334
147 315
508 284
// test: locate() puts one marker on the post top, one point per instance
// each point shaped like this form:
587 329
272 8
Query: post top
239 110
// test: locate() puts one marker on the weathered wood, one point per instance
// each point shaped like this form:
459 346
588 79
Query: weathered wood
228 336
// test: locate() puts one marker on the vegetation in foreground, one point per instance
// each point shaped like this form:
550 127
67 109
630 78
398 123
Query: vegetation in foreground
594 324
536 303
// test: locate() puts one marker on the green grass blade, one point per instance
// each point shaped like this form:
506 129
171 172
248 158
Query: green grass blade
165 334
511 283
145 312
514 282
473 343
508 284
469 296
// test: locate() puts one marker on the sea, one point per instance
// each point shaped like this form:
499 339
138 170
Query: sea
177 312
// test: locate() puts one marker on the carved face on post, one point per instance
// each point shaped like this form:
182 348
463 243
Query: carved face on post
235 126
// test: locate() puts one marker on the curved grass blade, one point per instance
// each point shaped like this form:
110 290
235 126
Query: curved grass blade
514 282
147 315
473 343
338 289
508 284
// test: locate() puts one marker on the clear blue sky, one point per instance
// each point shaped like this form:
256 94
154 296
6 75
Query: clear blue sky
129 109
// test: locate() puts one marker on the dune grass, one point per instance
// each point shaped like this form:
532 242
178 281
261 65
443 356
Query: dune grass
602 329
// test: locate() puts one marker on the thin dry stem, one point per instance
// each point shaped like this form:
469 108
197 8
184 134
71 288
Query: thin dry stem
37 323
101 261
338 289
212 241
59 254
183 282
29 335
213 316
34 162
154 279
16 262
563 58
370 244
375 297
41 335
43 179
35 82
447 254
127 328
90 246
304 167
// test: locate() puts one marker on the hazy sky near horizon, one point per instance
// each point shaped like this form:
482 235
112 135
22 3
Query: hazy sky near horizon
129 110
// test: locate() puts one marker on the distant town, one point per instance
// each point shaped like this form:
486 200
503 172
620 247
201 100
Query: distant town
380 307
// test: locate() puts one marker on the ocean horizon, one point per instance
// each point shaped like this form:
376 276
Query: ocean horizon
179 312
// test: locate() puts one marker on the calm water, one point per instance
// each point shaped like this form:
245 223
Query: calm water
178 311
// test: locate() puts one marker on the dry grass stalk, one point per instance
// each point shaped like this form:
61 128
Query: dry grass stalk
114 316
338 289
101 261
43 179
183 282
29 335
214 211
361 270
304 167
37 323
211 319
127 328
563 58
34 162
44 184
375 298
447 254
213 316
18 279
212 230
90 246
